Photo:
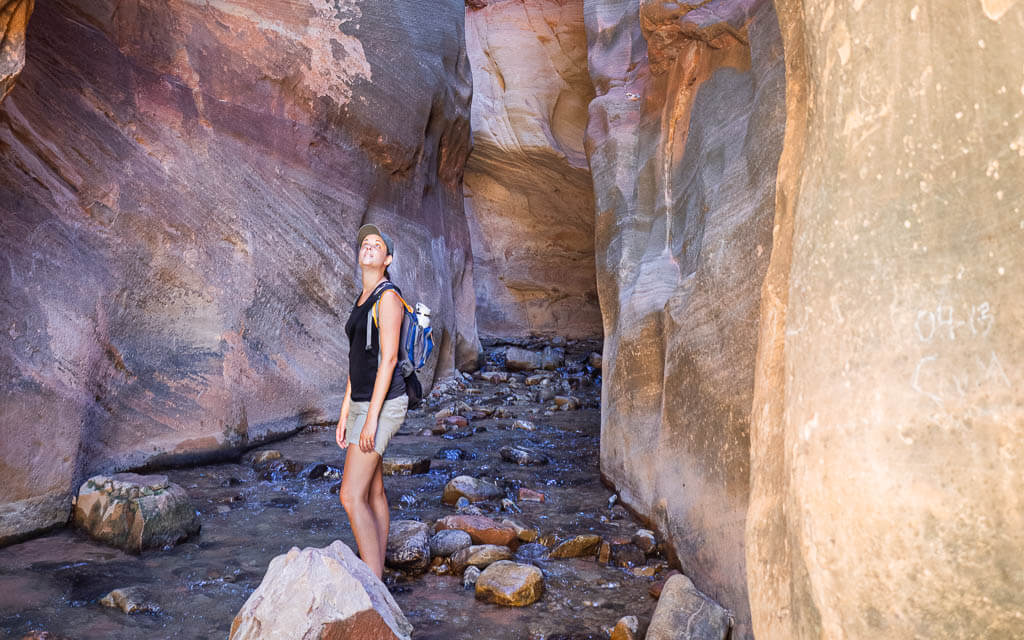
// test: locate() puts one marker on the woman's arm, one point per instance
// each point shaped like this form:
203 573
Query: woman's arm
346 404
389 325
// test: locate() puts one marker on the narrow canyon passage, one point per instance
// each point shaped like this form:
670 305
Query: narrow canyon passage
251 513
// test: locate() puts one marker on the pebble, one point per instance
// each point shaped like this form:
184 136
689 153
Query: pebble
453 453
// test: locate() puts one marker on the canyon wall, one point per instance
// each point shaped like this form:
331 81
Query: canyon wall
14 16
886 441
529 196
683 139
180 187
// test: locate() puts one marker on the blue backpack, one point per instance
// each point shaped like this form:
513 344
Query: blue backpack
415 342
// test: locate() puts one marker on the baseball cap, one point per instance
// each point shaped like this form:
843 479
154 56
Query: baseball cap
367 229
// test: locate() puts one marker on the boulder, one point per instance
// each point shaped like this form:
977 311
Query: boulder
448 541
481 529
478 555
522 456
625 629
510 584
519 359
135 512
408 546
473 489
130 600
577 546
13 21
320 594
684 613
396 465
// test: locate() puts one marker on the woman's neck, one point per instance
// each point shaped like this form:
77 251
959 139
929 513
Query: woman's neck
372 278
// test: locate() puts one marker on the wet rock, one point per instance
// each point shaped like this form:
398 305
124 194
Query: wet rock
519 359
454 422
532 551
644 538
130 600
530 495
604 552
502 412
552 358
577 546
510 506
567 403
456 435
627 555
470 576
522 456
394 465
462 502
594 360
449 541
559 341
481 529
626 628
322 471
408 546
260 459
453 453
473 489
510 584
231 482
545 394
525 425
523 532
320 593
135 512
684 613
478 555
537 378
494 377
275 470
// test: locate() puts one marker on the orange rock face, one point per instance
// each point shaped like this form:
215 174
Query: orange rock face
529 196
14 16
481 529
179 208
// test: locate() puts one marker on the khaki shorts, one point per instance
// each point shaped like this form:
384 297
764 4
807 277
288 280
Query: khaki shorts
392 415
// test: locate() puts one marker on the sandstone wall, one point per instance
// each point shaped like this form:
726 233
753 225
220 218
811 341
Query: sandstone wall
180 185
529 196
684 139
886 446
14 16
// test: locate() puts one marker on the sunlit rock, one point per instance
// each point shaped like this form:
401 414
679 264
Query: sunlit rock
130 600
510 584
135 512
14 15
320 594
478 555
577 546
473 489
481 529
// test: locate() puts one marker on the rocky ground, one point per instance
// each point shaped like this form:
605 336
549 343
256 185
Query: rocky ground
513 459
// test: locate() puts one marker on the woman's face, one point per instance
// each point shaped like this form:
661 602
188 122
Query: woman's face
373 252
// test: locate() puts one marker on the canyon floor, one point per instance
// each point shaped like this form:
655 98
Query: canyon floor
54 583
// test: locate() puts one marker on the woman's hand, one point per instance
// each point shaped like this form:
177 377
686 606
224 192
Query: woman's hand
367 435
339 433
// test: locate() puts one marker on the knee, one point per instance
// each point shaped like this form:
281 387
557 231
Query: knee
349 498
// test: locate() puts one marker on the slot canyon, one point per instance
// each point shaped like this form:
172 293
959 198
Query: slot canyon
768 255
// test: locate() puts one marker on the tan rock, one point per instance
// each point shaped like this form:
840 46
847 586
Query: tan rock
130 600
684 613
396 465
320 593
481 529
523 532
625 629
478 555
13 22
473 489
510 584
530 495
577 546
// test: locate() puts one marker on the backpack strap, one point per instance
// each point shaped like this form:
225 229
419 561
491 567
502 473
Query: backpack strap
381 288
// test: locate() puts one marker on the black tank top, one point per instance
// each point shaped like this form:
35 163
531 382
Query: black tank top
362 363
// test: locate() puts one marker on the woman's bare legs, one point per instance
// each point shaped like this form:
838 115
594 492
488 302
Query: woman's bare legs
355 494
379 507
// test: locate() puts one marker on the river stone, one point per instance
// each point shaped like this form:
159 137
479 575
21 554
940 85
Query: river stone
478 555
323 471
625 629
448 541
532 551
469 577
320 594
135 512
405 465
473 489
494 377
537 378
519 359
453 453
530 495
552 358
523 532
644 538
627 555
525 425
408 545
130 600
260 459
510 583
480 528
577 546
544 394
567 403
522 456
594 360
684 613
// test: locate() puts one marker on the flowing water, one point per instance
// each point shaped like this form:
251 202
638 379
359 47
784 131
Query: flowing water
54 582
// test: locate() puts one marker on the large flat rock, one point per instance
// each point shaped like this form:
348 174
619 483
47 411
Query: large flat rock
178 212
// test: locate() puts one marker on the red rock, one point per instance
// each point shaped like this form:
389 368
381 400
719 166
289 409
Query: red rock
481 529
456 421
529 495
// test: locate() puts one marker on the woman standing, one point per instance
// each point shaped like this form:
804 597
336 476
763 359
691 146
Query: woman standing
375 402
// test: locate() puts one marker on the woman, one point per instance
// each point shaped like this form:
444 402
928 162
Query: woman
375 401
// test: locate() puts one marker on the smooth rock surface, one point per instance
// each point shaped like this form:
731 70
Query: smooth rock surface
529 196
684 613
180 188
448 541
481 529
320 594
408 546
886 446
684 138
577 546
479 555
473 489
510 584
134 512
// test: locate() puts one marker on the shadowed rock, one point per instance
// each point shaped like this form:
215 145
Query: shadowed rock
684 613
408 546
